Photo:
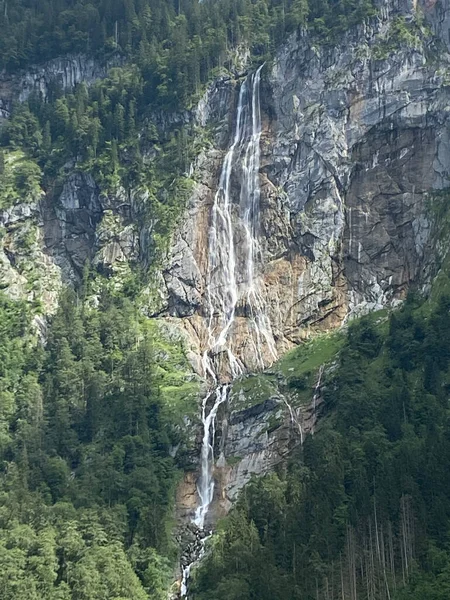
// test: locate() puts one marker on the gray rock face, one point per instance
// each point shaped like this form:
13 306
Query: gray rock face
70 223
26 270
48 242
358 147
61 73
84 225
256 431
355 139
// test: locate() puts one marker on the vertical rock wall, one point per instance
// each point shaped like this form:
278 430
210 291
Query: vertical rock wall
355 139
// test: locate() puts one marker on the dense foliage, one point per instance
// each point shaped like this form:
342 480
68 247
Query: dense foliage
86 477
364 510
173 38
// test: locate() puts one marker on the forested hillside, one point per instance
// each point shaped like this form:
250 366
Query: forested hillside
87 479
361 510
187 36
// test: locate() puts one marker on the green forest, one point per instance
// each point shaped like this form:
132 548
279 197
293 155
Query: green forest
163 33
87 486
87 480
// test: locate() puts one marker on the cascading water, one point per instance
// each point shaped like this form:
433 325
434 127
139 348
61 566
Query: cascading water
250 208
205 485
233 252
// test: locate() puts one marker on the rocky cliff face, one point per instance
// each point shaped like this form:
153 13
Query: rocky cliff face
26 270
355 139
61 73
84 225
46 244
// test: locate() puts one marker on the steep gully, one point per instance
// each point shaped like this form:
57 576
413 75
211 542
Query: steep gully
233 283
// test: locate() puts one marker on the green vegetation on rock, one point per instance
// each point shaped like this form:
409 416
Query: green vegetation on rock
439 215
300 364
294 375
20 179
401 33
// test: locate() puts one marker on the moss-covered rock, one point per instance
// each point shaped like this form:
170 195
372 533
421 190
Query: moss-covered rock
20 179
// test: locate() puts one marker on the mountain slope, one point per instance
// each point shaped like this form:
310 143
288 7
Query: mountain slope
322 129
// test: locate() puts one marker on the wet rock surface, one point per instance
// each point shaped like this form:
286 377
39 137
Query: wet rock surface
190 538
253 436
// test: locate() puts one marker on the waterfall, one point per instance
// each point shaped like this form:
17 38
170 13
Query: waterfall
206 481
316 397
294 419
184 580
222 288
250 208
233 253
233 245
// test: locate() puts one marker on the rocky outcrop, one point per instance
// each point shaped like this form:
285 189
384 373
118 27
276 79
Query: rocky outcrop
83 225
264 420
26 270
56 75
47 243
70 223
361 142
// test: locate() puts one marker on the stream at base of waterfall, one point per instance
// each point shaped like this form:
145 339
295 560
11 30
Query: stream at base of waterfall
234 254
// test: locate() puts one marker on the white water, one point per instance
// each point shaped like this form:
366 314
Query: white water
294 419
250 206
232 278
186 571
234 248
316 396
205 485
185 579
